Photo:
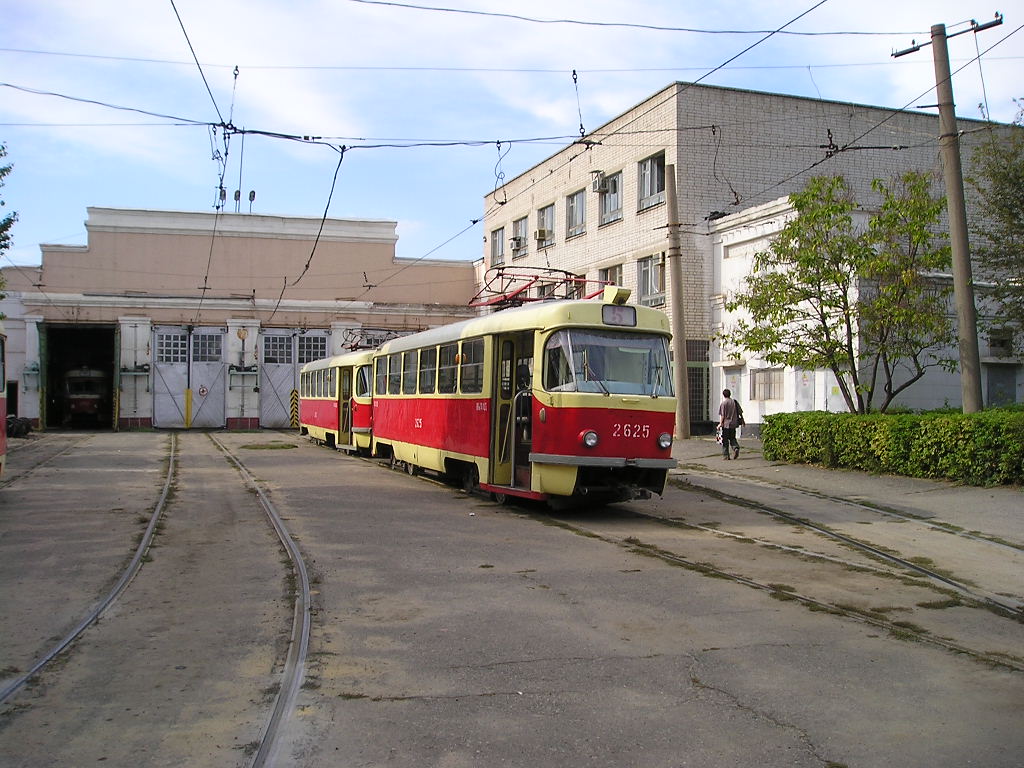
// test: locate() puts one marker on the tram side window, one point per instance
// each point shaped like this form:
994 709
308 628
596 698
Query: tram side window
447 368
472 373
303 384
380 386
332 382
428 370
409 373
394 374
363 381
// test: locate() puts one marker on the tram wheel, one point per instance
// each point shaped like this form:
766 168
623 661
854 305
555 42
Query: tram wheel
500 498
411 469
470 478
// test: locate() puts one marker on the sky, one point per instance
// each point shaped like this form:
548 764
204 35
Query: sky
103 103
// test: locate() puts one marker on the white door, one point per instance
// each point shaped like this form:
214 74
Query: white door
188 359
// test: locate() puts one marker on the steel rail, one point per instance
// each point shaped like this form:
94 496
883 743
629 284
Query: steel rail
294 669
907 517
635 545
126 577
1014 610
34 452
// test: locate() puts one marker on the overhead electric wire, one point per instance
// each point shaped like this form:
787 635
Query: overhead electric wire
626 25
108 105
200 66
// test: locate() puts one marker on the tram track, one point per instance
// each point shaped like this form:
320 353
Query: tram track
897 629
294 668
1012 610
37 456
942 527
129 573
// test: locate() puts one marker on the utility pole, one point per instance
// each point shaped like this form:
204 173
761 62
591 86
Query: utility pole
952 174
675 270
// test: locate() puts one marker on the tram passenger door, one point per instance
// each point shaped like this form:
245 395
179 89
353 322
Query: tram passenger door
513 411
345 408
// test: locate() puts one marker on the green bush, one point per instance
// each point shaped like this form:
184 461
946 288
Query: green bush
977 449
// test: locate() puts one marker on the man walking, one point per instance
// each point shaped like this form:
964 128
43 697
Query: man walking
730 416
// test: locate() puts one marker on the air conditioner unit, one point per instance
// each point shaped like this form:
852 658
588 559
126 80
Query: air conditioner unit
516 242
543 234
599 182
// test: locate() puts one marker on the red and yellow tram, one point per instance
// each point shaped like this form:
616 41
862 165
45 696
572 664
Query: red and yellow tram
546 401
335 404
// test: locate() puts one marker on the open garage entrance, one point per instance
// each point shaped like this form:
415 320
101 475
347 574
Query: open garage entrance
79 370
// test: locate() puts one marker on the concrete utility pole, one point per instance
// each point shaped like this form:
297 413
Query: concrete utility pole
675 270
952 173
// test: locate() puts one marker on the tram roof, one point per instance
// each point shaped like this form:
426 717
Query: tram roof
356 357
535 316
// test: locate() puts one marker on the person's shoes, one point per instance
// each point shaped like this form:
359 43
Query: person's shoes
726 457
735 453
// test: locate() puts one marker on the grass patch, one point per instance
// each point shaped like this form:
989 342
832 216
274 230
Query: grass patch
273 446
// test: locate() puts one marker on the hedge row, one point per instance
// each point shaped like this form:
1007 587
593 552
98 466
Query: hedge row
984 448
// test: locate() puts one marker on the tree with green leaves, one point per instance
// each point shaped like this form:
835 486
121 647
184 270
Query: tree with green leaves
7 222
996 180
862 301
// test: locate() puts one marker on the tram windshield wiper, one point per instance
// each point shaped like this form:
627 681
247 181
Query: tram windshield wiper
588 373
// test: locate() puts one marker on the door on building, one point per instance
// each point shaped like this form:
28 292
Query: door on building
1002 385
283 352
189 377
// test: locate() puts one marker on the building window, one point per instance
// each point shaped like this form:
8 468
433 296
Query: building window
609 199
545 290
766 384
1000 342
545 234
312 348
650 280
576 214
498 247
651 190
520 238
206 347
611 275
171 348
277 349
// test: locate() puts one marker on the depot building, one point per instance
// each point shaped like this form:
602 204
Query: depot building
175 319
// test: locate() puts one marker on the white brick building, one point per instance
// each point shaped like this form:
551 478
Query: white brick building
598 207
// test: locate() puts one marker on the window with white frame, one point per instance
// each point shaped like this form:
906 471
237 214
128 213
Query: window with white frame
171 348
545 234
498 247
520 240
312 348
651 181
650 280
207 347
609 199
611 275
576 213
277 349
766 384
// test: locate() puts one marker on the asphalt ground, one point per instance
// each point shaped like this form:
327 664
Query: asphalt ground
450 631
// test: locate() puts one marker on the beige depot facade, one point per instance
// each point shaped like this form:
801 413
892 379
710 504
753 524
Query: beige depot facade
598 208
204 319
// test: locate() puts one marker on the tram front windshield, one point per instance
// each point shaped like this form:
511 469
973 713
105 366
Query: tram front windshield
607 362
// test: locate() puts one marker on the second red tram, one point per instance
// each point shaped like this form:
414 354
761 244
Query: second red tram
550 400
335 401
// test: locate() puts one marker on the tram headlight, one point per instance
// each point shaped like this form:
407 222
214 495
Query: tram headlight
589 438
664 440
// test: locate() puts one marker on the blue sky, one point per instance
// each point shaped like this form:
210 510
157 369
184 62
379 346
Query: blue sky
367 74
